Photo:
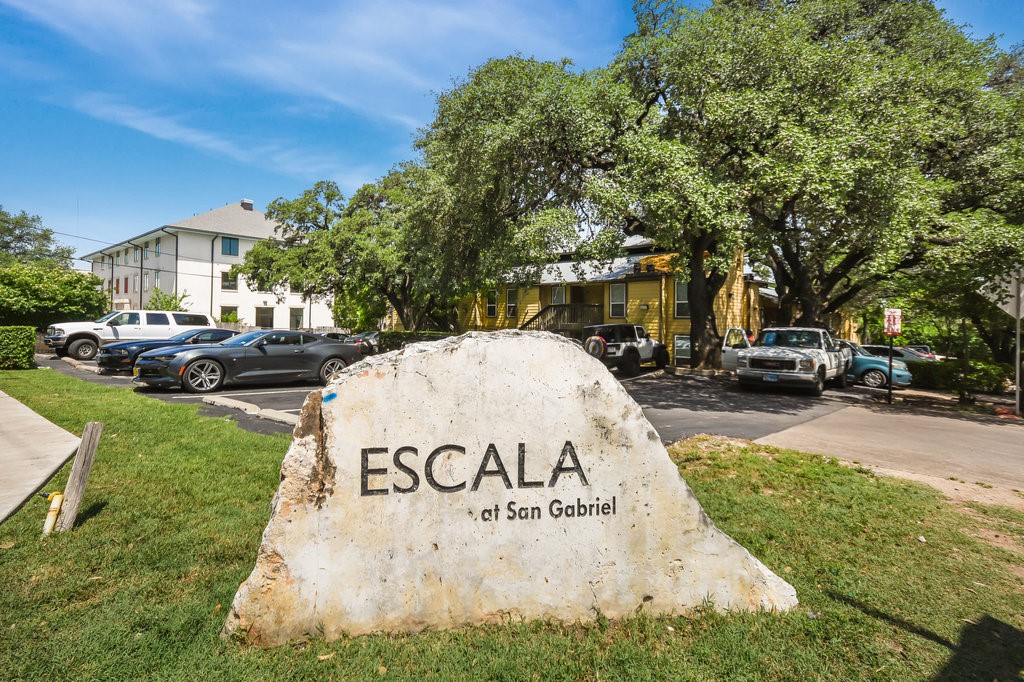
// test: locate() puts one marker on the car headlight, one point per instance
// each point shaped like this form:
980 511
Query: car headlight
119 351
741 361
807 364
899 364
162 358
55 331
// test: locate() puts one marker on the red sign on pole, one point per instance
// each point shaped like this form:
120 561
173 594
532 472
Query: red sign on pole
893 321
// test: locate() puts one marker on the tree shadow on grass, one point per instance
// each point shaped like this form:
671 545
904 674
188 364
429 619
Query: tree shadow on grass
92 510
989 649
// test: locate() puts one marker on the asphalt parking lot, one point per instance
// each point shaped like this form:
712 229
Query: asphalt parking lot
677 406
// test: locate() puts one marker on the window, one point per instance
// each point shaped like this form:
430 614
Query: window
126 284
228 246
191 319
117 286
283 338
492 303
126 255
124 318
156 279
264 317
145 250
295 318
511 302
228 282
558 295
157 318
682 302
156 247
135 282
681 348
617 300
229 313
117 258
136 254
145 282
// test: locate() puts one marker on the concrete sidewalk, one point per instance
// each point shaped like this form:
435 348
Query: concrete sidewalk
939 444
32 449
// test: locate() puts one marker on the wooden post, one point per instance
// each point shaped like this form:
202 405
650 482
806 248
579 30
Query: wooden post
75 488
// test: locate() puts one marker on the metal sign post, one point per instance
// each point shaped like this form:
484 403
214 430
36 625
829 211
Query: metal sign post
893 328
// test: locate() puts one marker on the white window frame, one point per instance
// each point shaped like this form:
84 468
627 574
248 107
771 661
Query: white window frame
681 350
511 303
681 300
491 303
156 247
612 303
145 282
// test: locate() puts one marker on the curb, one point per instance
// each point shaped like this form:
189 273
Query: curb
77 364
250 408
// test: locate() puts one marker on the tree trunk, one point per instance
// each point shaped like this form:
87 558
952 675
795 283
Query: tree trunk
701 291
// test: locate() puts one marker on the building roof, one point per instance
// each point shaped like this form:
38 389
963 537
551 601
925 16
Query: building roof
595 271
234 220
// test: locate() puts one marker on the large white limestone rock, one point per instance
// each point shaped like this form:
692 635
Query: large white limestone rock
476 479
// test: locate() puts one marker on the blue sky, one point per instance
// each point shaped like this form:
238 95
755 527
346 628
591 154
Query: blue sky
119 116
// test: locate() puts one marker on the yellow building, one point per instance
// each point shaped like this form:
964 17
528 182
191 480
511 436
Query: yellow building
639 288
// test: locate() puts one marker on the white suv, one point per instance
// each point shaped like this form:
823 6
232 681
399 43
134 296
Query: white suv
82 340
625 346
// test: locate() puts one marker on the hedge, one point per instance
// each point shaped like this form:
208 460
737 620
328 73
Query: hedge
396 340
17 347
947 375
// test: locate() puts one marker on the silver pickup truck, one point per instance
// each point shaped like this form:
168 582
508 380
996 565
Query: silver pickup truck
786 356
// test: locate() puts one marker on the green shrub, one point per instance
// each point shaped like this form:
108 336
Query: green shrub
395 340
947 375
17 347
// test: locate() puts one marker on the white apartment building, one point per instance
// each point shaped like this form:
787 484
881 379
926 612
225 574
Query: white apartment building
194 256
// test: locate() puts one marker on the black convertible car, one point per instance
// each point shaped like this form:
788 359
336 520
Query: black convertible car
263 356
121 356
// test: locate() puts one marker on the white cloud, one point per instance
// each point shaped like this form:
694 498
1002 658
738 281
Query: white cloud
278 156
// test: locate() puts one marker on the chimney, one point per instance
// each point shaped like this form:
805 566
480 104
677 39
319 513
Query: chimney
247 204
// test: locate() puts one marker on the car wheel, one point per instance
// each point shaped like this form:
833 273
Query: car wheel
631 365
202 376
60 352
841 380
330 369
819 383
661 358
83 349
874 378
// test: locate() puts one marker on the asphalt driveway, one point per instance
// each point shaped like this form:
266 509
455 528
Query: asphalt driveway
851 424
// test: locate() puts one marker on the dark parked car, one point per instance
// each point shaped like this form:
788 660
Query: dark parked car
121 356
368 342
263 356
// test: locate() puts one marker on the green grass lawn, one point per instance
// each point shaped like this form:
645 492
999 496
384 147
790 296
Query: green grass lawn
176 504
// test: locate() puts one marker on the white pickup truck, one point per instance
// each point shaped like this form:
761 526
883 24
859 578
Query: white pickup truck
788 356
82 340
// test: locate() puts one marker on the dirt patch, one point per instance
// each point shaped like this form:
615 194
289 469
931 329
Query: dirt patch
958 491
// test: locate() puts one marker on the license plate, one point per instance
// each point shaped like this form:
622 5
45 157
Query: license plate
771 377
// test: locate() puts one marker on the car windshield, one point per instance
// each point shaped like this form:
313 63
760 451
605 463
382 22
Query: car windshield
856 348
243 339
789 338
184 336
107 317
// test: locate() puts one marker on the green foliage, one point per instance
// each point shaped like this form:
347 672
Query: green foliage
17 347
231 317
39 294
948 375
396 340
161 300
23 239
